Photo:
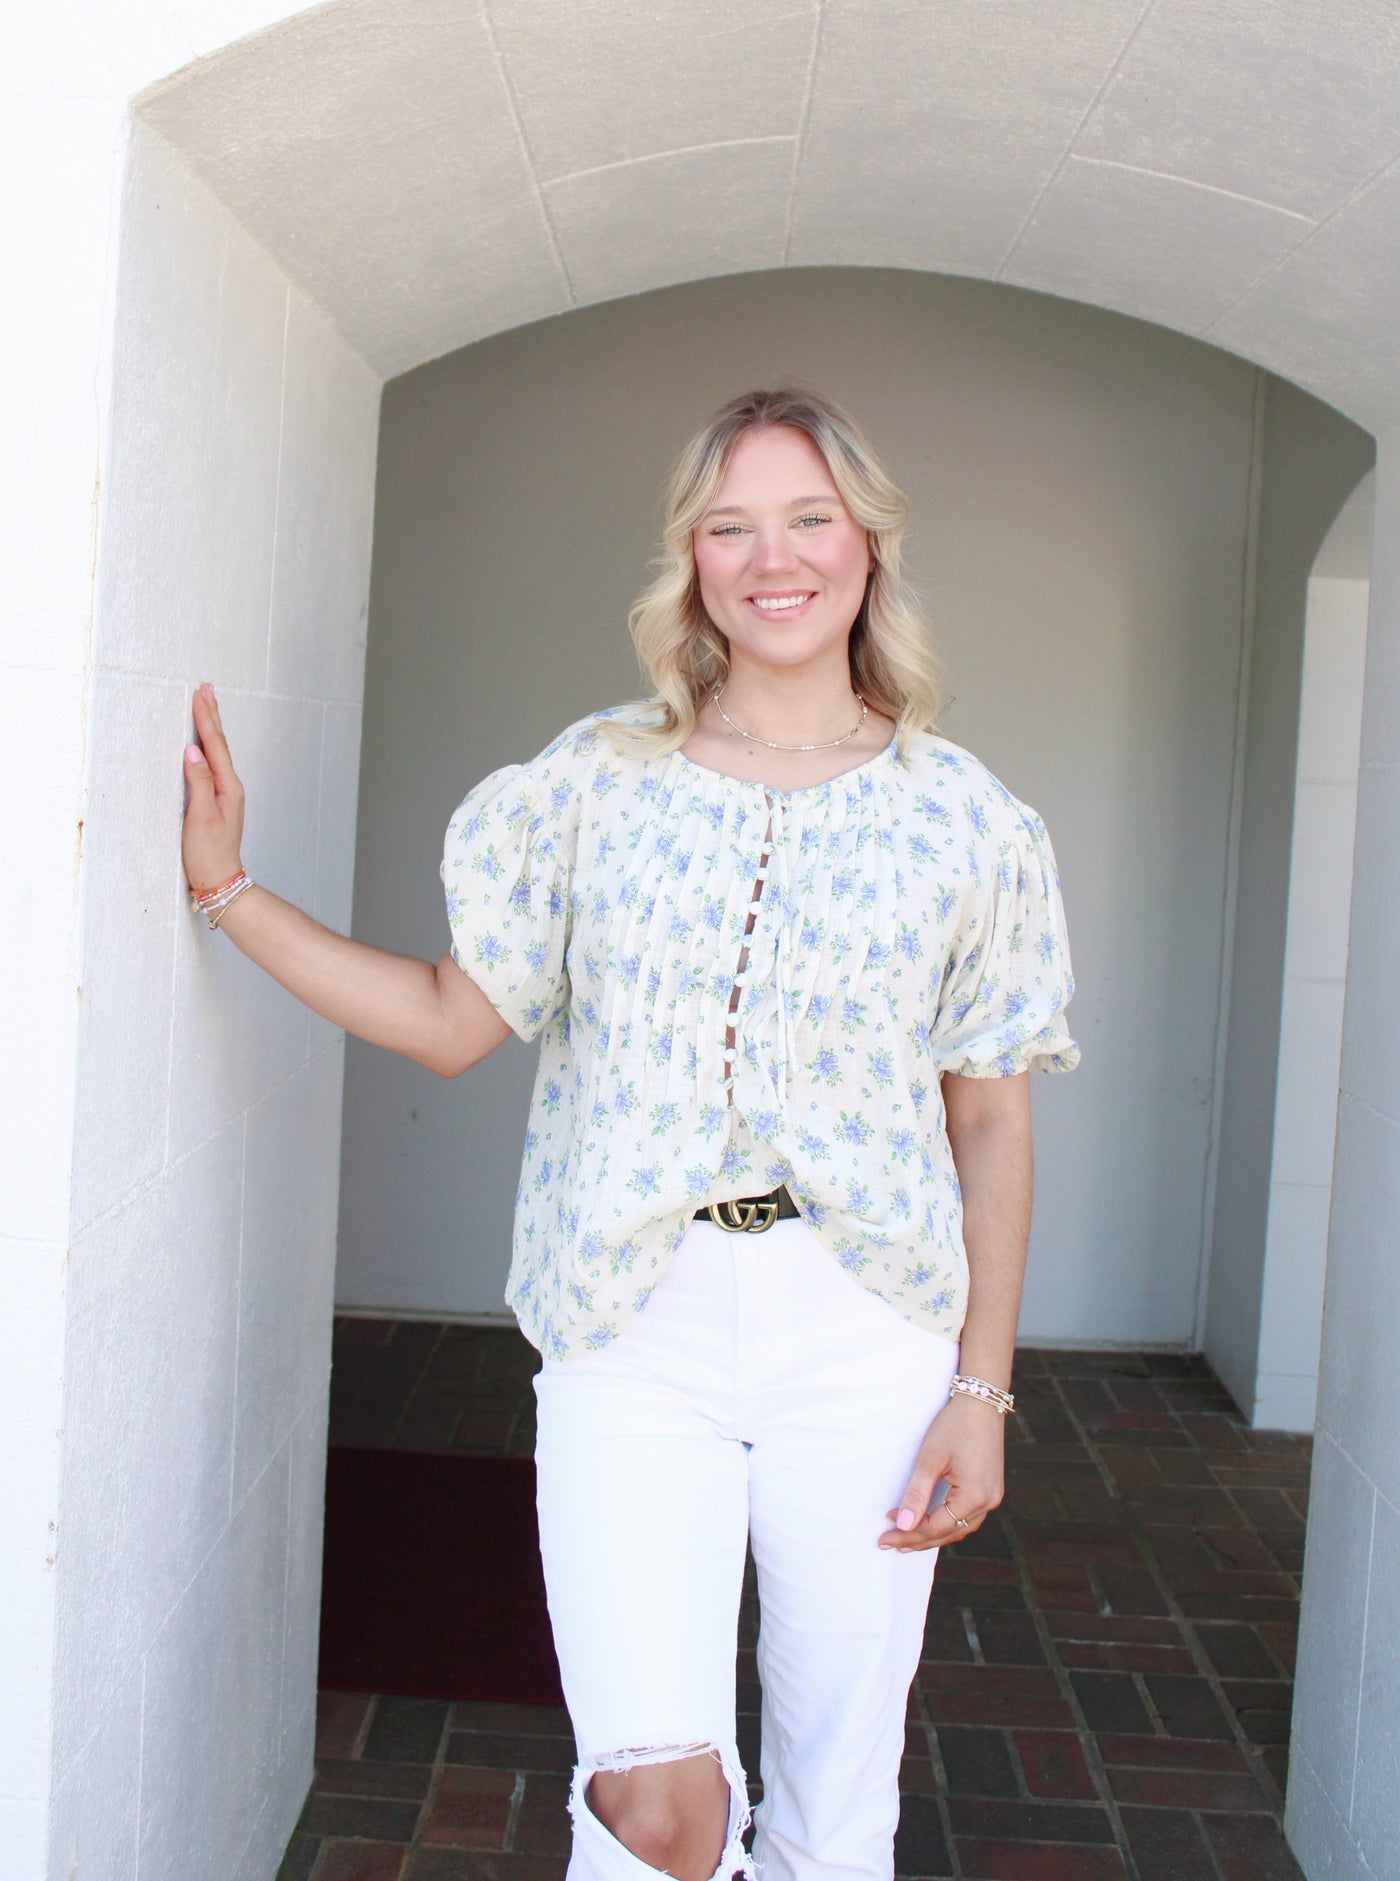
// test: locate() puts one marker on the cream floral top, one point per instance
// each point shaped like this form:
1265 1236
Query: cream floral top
735 987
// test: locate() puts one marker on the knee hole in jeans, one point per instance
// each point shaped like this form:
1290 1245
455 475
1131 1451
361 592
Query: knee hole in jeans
673 1833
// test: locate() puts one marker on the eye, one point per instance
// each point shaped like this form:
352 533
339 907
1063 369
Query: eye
726 529
815 519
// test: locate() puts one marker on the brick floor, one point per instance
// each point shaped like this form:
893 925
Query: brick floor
1107 1677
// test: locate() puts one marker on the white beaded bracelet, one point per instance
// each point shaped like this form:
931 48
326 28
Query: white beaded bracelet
215 902
228 901
979 1388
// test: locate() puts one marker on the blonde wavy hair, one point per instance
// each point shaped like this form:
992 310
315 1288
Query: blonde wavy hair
895 664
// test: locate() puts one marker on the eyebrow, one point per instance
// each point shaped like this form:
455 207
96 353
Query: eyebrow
799 502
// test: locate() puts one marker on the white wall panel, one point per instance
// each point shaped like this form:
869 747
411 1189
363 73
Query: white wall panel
933 130
152 1336
235 1033
1319 888
1323 317
1294 105
1331 1643
96 1802
123 1103
1127 238
1346 1712
211 1740
618 232
395 118
1371 1064
1334 673
1378 1715
597 86
1290 1326
188 522
325 509
288 1260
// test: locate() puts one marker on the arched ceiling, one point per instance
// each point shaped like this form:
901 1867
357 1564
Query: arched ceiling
433 171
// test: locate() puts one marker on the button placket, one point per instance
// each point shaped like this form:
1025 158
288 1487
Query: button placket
741 974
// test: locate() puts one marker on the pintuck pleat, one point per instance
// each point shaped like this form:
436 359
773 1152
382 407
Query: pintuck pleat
907 923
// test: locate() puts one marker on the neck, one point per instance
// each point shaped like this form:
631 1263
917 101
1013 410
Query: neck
789 706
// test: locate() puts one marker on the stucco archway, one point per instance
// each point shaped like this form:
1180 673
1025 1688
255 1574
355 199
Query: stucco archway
362 187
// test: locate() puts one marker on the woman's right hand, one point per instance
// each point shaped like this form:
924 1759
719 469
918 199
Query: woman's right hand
213 834
434 1014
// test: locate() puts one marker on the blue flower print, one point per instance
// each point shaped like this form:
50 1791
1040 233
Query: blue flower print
881 1064
909 925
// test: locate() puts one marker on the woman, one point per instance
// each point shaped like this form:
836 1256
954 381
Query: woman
790 956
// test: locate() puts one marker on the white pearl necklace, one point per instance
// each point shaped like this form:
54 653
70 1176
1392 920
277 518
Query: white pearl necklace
772 743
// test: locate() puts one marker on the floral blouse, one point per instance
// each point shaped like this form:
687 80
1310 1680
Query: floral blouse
735 987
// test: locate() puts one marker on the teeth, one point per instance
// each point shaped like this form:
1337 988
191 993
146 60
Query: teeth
773 605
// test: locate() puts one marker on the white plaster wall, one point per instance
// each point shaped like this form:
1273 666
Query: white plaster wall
1079 488
1346 1708
234 545
1314 986
67 72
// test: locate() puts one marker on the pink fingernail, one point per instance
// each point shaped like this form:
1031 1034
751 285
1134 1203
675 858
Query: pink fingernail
905 1519
194 754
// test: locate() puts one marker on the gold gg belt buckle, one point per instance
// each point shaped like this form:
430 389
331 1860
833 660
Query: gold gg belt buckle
749 1214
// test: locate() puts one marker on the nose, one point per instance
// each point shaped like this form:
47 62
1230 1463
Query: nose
773 550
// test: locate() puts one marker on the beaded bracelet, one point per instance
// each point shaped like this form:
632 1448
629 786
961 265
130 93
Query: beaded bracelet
216 902
979 1388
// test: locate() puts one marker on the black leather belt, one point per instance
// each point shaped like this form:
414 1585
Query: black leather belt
750 1214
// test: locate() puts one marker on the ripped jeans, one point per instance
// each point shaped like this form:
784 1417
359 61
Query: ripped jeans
763 1395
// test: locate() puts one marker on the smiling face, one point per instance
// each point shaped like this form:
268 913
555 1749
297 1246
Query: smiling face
782 565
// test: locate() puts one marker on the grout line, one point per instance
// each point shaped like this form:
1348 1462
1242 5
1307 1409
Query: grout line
277 494
1193 182
317 902
803 123
1068 150
680 150
1298 247
503 72
228 688
140 1771
1361 1670
237 1312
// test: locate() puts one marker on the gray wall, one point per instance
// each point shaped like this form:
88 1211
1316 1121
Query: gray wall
1080 488
1311 461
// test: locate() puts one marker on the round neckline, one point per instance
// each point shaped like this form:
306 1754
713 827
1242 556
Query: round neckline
798 790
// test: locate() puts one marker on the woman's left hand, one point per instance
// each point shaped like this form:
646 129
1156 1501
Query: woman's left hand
966 1443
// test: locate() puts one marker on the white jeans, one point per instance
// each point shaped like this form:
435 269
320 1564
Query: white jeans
761 1394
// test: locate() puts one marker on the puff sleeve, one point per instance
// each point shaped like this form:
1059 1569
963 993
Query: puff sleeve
507 872
1007 979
